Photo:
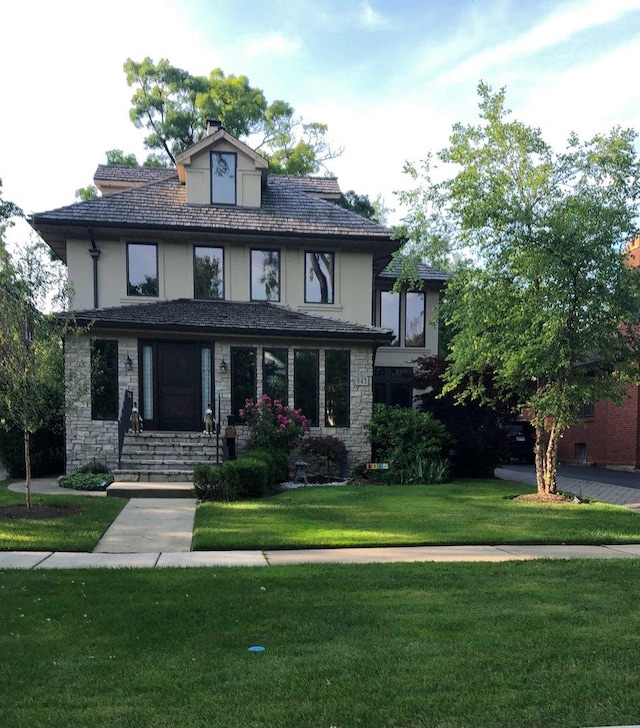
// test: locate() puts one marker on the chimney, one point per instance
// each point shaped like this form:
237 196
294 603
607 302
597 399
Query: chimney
213 125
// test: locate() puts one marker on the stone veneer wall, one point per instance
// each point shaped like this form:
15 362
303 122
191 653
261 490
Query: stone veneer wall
88 439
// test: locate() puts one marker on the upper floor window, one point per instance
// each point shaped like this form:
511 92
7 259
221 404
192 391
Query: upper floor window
390 314
265 275
142 269
208 272
223 178
319 277
414 319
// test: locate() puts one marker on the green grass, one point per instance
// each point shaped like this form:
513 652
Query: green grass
464 512
79 532
530 644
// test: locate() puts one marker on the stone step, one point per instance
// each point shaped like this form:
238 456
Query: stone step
119 489
167 475
131 462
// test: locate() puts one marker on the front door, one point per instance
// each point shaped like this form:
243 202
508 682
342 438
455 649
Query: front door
178 387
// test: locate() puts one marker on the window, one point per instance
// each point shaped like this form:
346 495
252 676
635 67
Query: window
142 269
104 380
587 411
414 319
306 383
319 277
393 386
243 377
390 314
208 272
223 178
337 395
265 275
274 374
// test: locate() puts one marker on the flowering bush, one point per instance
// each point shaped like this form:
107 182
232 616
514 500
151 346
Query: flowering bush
272 425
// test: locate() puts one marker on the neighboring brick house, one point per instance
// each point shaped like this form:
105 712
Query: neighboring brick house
214 282
609 435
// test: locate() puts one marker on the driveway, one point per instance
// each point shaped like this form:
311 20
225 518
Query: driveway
575 472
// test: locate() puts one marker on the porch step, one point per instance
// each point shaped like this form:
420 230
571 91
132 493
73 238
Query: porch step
162 463
119 489
146 475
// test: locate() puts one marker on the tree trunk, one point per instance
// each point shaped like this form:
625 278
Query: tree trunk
547 458
27 467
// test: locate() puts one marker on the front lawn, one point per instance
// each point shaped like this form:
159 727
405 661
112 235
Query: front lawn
546 644
78 532
463 512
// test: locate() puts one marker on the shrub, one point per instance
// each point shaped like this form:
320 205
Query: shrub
47 451
94 466
276 461
326 446
85 481
422 471
400 436
272 425
209 483
246 477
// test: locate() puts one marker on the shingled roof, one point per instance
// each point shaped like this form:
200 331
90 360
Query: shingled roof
286 210
228 317
138 175
425 272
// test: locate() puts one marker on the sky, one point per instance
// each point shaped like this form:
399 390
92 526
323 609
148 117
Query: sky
389 77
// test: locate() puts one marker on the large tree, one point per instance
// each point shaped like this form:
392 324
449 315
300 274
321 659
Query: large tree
546 299
174 105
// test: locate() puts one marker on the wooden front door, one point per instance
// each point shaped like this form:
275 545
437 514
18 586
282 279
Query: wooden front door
178 387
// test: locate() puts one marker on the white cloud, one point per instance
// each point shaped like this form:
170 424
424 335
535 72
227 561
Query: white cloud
371 18
271 44
553 30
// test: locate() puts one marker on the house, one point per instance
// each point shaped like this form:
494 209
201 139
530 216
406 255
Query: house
214 282
609 435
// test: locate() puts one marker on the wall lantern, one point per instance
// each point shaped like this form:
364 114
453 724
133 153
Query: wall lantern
223 366
128 364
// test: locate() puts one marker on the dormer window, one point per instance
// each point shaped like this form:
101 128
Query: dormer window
223 178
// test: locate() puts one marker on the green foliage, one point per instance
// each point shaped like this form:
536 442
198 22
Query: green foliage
174 106
549 305
86 481
360 204
208 483
95 467
277 463
84 194
401 435
47 449
426 472
117 156
272 425
246 477
329 447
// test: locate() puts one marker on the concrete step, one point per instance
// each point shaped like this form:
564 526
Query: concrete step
119 489
131 462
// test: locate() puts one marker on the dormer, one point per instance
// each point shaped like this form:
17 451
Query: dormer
222 170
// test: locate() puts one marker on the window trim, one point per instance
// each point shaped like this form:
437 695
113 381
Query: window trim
333 277
265 250
197 246
128 282
235 178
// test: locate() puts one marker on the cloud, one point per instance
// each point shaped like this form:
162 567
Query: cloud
371 18
553 30
271 44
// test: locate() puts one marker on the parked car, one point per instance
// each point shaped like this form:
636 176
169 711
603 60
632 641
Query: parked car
520 441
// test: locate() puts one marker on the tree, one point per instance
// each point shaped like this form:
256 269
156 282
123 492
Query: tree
360 204
549 303
31 361
173 106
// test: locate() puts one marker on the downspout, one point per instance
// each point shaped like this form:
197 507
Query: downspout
95 254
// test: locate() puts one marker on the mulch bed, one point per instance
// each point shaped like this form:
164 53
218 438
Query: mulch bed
549 498
38 512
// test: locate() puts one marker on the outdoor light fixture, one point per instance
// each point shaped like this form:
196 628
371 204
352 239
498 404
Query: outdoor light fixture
223 366
128 364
